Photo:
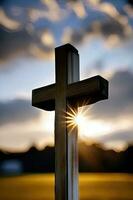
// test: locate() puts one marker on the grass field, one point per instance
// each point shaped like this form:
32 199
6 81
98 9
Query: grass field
91 187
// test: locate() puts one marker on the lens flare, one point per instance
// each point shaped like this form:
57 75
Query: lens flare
75 117
79 119
87 127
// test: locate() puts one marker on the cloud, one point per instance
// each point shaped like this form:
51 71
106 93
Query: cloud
8 22
130 2
120 102
106 21
110 27
47 38
129 10
21 43
22 139
16 111
113 32
36 30
78 8
125 135
13 43
108 9
50 10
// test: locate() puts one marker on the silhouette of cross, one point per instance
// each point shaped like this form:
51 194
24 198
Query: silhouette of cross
67 90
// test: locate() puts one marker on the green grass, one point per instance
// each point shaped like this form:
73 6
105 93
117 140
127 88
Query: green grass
91 187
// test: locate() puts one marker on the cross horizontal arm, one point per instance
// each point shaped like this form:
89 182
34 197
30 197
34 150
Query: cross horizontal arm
88 91
44 97
83 92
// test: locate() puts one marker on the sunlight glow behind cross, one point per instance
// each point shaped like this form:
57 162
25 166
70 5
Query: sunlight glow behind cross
79 119
75 119
87 127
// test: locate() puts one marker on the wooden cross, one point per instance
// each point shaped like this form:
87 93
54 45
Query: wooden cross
67 90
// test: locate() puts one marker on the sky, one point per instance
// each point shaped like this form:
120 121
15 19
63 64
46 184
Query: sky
102 31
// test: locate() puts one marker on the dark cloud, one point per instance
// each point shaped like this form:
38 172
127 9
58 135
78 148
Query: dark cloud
13 43
20 43
103 28
108 19
120 102
130 2
2 2
17 110
110 27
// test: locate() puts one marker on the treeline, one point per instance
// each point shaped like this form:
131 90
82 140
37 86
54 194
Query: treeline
92 158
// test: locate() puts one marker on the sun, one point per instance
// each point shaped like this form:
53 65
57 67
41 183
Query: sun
75 118
87 127
79 119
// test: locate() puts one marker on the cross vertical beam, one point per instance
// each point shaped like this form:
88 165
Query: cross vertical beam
72 145
68 90
66 151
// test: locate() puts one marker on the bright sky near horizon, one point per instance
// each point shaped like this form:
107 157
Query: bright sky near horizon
102 31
